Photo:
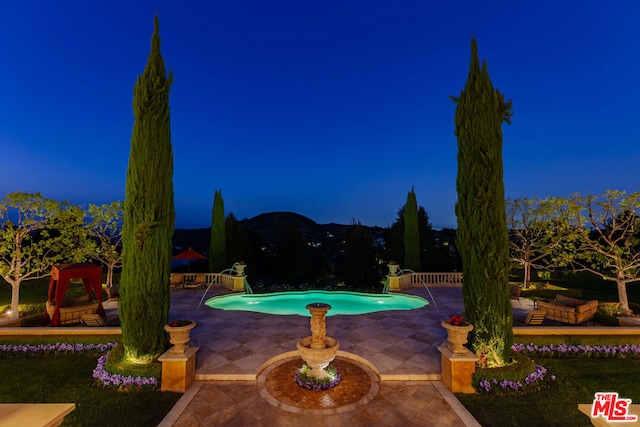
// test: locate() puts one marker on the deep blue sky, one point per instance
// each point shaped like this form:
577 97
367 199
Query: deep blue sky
330 109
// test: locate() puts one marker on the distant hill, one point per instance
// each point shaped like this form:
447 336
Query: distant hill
263 226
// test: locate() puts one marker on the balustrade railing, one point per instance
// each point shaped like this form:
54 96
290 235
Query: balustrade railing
206 279
444 279
409 280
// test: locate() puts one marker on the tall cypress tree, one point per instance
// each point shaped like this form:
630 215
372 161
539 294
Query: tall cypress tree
148 214
218 239
482 236
411 233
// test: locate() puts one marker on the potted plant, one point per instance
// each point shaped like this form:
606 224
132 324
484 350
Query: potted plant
239 267
457 331
393 268
179 334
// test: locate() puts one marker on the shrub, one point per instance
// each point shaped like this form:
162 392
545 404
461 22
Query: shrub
605 319
610 308
551 293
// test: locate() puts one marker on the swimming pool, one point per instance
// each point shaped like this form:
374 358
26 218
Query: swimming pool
287 303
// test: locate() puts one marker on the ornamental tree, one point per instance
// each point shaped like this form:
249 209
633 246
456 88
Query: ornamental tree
482 238
35 234
605 232
533 234
217 250
411 233
148 214
105 227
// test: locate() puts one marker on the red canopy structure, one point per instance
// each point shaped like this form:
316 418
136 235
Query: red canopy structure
188 255
91 276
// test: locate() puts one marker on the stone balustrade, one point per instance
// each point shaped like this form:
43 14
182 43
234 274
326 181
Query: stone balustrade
445 279
233 283
417 280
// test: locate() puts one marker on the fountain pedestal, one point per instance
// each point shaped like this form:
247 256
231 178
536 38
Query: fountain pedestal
318 350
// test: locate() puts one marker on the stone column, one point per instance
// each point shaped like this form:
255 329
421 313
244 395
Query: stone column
394 283
178 370
238 284
457 370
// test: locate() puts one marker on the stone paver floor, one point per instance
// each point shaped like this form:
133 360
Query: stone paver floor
401 347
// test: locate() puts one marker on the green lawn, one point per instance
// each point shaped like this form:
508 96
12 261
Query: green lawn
577 382
68 379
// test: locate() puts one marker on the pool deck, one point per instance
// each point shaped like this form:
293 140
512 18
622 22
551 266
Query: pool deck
400 346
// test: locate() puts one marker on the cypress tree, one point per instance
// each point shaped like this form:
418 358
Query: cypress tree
148 214
218 235
411 233
482 235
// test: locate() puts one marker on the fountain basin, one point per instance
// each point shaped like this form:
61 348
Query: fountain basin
318 358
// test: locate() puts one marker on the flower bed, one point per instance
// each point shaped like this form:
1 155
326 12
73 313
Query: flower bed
32 350
100 374
521 376
315 384
505 381
626 351
534 381
121 382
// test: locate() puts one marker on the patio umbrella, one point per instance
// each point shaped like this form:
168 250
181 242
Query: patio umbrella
189 255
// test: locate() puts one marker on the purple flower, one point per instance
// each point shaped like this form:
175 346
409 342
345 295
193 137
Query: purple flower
565 350
101 374
534 378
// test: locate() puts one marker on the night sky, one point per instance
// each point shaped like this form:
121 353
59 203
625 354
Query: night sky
331 109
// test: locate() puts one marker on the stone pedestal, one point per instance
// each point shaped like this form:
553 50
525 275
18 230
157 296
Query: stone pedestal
457 370
394 283
178 370
238 284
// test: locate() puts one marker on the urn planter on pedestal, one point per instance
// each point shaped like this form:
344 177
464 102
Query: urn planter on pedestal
457 336
239 267
179 334
393 269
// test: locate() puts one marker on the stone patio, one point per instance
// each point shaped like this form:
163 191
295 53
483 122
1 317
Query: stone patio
399 346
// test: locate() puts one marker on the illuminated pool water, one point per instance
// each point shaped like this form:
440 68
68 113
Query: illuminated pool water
287 303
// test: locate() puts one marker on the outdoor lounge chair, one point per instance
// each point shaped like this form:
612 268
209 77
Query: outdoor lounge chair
535 317
514 292
569 310
92 320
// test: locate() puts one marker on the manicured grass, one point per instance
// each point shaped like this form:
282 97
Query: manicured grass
577 382
68 379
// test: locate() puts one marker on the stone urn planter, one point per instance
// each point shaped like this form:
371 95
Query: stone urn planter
179 334
457 336
393 269
239 268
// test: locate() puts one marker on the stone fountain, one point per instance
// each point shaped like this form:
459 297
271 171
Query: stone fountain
318 350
